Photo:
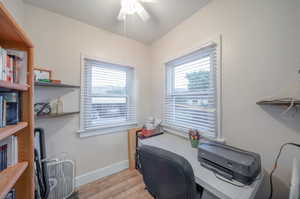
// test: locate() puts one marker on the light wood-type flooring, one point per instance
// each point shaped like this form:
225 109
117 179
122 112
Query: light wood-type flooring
124 185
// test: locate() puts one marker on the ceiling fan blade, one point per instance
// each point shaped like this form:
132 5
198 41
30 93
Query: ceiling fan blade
122 15
142 12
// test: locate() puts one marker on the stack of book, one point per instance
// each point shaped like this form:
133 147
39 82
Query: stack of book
9 108
10 66
9 157
8 152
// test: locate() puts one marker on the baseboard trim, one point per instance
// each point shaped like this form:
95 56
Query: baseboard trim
100 173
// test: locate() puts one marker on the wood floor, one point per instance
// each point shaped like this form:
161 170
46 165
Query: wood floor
124 185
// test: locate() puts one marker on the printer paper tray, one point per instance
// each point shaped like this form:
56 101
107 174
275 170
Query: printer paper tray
224 172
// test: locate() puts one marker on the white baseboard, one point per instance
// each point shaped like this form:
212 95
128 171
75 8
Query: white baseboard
100 173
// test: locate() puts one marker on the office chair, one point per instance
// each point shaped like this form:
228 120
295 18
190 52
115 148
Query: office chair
167 175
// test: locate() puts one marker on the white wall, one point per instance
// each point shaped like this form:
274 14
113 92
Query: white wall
260 59
261 48
59 42
16 7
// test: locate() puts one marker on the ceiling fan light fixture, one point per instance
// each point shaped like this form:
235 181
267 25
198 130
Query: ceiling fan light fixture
129 6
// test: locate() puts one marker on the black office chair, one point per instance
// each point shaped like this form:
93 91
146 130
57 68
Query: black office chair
167 175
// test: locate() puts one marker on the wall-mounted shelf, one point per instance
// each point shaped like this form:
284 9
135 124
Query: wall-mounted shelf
10 176
279 102
56 115
55 85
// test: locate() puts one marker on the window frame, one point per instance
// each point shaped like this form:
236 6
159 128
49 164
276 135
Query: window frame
217 41
110 127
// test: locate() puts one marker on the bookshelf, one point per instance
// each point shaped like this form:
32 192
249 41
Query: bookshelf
12 129
8 85
10 176
21 175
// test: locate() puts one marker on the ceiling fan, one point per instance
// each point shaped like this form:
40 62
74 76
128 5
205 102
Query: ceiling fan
131 7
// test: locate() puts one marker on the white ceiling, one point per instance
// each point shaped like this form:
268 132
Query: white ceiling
165 15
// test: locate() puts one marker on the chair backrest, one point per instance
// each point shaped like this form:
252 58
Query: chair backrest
166 175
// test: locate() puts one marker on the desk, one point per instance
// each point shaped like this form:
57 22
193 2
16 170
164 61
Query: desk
203 176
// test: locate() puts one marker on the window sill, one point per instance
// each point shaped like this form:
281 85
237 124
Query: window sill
182 134
105 130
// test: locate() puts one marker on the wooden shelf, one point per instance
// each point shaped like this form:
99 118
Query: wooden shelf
45 84
14 86
10 31
57 115
11 129
10 176
12 36
279 102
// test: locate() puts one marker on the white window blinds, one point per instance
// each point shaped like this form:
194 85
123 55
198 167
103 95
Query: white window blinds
107 96
191 92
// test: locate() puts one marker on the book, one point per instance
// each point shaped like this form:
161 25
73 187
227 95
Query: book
9 69
1 62
4 113
1 112
16 69
19 65
11 194
3 69
15 151
11 108
12 65
3 157
8 152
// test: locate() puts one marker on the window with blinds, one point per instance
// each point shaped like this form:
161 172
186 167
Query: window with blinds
191 92
107 95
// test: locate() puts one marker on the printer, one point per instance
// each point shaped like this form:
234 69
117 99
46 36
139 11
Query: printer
230 162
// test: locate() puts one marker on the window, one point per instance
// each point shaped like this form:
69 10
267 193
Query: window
107 96
192 95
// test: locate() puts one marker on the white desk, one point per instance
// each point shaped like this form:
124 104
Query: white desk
203 176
